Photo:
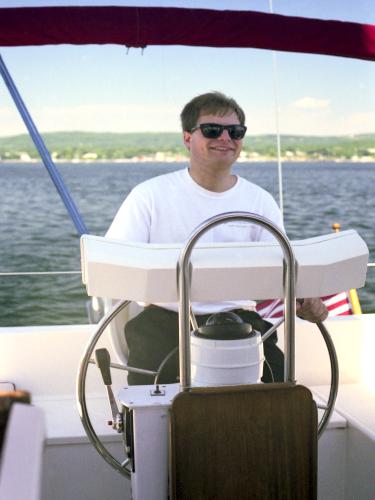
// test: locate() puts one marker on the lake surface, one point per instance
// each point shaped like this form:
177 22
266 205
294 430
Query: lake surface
38 235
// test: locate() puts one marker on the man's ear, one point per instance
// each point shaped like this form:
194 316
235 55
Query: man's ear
187 139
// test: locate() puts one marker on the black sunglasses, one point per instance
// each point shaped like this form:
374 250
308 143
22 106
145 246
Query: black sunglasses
214 130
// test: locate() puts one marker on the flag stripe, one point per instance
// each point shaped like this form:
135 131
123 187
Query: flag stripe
337 305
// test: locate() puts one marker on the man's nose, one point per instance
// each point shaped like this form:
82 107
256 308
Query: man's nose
225 135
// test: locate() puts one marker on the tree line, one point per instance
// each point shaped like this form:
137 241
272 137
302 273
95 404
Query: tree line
112 146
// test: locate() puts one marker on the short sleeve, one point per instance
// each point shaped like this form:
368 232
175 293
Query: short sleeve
272 212
133 219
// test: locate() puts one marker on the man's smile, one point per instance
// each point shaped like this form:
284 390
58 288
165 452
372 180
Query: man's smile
222 148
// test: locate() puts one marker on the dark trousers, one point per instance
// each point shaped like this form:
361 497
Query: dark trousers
153 334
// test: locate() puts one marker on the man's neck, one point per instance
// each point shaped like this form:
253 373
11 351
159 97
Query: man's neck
218 182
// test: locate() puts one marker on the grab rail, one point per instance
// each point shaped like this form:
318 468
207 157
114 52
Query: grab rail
184 278
184 291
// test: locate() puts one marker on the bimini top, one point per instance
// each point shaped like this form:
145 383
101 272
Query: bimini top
138 24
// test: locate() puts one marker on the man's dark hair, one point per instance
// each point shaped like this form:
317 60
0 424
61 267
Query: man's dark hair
212 103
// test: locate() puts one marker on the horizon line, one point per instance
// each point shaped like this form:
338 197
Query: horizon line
180 132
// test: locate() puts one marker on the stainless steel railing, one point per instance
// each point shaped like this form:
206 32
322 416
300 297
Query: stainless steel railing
289 290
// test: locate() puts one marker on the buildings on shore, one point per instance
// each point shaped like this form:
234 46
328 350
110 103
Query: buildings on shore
169 157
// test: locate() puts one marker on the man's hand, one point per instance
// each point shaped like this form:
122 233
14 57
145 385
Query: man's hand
311 310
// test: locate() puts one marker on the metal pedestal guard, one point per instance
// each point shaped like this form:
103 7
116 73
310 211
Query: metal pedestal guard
289 290
289 306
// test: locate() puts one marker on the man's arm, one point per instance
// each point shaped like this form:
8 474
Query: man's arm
312 310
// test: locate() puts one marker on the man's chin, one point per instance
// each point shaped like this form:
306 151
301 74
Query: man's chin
224 161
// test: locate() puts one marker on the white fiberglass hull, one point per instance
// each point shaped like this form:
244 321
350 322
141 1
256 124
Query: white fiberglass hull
44 360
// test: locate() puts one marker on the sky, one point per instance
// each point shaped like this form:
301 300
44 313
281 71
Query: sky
110 89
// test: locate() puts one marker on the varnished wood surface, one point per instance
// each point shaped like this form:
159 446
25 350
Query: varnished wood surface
244 442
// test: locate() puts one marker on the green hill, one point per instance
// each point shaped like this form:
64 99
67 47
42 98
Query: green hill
111 146
69 145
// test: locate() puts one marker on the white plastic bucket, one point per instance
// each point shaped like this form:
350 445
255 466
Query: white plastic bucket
226 362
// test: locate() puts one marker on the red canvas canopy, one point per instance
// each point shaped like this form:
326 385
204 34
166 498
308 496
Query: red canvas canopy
142 26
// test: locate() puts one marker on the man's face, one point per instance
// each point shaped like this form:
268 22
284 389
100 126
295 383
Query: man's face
221 152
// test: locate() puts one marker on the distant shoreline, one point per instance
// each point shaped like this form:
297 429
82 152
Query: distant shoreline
89 147
186 160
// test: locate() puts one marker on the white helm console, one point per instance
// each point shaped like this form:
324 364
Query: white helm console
133 272
325 265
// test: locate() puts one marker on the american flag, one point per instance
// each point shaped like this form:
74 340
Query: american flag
337 305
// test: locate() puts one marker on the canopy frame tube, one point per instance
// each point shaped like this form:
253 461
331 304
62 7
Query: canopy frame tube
43 151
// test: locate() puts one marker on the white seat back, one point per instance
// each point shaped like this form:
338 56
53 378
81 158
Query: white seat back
21 457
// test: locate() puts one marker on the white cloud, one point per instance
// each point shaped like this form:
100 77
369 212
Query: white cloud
10 123
158 117
325 122
311 103
94 118
359 123
120 118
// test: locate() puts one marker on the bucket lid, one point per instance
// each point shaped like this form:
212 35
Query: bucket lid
225 326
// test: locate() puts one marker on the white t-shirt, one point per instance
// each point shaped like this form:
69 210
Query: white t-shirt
167 208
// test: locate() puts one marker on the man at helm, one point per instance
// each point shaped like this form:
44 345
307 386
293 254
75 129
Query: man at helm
167 208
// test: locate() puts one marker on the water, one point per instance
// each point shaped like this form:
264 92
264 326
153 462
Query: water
38 235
